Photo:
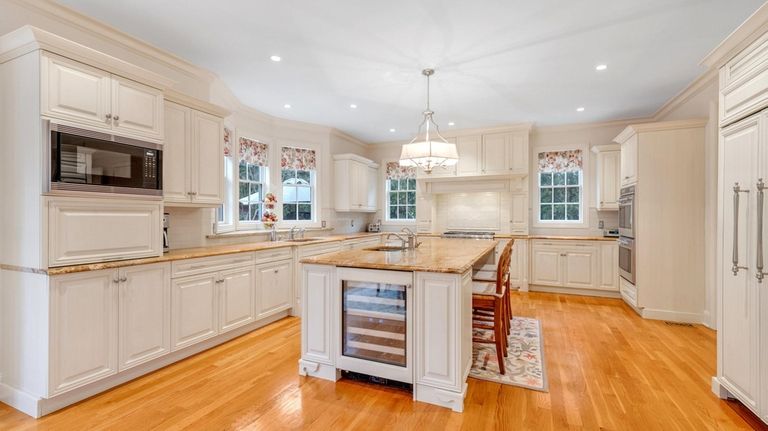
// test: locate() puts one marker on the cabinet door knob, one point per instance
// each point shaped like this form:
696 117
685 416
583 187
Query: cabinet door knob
124 279
117 118
108 116
276 271
116 280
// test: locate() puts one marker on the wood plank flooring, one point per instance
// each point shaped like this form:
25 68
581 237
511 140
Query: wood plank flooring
607 369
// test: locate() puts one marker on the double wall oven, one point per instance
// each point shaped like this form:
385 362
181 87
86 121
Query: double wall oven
84 160
627 225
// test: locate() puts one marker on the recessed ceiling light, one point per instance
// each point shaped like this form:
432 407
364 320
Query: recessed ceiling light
275 58
451 123
353 106
580 109
601 67
287 106
392 130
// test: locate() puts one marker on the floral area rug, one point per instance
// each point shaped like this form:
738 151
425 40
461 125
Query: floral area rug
525 362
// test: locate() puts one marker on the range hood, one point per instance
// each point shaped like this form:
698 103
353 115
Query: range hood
490 183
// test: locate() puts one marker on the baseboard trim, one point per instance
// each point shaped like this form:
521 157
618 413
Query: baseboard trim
37 407
575 291
673 316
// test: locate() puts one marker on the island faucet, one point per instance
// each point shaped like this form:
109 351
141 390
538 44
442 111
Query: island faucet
292 233
412 238
400 237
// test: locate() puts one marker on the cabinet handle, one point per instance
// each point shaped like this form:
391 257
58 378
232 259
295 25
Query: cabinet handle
116 280
108 116
760 200
117 118
564 254
124 279
626 178
276 271
735 255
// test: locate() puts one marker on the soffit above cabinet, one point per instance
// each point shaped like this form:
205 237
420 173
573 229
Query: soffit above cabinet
29 38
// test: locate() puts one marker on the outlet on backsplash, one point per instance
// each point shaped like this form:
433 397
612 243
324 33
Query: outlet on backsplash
601 224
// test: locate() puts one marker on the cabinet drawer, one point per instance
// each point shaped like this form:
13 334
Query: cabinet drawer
273 255
202 265
83 230
314 250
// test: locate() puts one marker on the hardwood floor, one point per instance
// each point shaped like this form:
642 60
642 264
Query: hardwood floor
607 369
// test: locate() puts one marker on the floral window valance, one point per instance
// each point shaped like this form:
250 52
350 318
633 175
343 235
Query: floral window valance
227 142
397 172
298 158
254 152
561 161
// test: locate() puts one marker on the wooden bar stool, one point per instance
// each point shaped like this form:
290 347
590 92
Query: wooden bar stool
491 306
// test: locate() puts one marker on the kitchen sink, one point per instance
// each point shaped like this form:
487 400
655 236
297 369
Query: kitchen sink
386 248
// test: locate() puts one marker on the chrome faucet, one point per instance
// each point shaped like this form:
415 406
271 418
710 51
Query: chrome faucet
413 240
302 232
404 241
292 234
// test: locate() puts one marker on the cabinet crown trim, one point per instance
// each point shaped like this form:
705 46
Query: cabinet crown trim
28 39
356 158
194 103
634 129
605 148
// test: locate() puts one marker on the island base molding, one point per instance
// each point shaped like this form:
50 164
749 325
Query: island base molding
37 407
321 371
440 397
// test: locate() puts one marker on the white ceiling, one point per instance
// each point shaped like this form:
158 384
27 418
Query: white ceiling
498 62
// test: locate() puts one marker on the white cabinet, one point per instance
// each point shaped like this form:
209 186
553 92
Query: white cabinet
744 83
78 93
194 316
274 284
518 265
608 179
575 264
629 160
302 252
317 287
470 155
237 297
356 183
144 313
518 214
193 159
83 329
517 149
85 230
495 158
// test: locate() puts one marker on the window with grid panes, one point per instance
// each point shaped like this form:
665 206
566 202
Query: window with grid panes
401 199
251 192
298 194
560 195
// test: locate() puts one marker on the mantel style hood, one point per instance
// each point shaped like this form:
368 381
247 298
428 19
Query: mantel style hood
490 183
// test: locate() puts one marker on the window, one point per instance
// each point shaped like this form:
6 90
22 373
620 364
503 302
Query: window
224 218
560 181
298 180
401 192
251 192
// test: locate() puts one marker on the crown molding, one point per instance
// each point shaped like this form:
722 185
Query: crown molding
109 34
357 158
747 33
200 105
634 129
691 90
28 38
593 125
346 136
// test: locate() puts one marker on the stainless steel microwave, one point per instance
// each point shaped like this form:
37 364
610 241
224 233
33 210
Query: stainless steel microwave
84 160
627 212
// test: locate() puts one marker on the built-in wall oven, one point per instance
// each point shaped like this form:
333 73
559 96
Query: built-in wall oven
84 160
627 212
627 268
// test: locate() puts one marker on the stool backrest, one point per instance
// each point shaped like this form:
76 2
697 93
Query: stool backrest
502 271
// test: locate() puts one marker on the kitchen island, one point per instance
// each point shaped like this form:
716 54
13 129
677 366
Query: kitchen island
399 315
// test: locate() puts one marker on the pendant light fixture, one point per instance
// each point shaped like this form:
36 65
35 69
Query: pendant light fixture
428 150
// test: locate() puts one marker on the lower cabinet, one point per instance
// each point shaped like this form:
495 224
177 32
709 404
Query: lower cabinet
144 313
237 298
83 329
274 282
195 311
575 264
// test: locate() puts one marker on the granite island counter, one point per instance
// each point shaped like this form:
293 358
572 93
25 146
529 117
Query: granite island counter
399 315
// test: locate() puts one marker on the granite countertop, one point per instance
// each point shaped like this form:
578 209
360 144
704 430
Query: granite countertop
434 255
550 237
190 253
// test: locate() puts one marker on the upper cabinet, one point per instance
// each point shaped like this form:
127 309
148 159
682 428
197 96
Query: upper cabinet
744 83
85 95
193 158
470 153
502 153
355 183
608 176
628 170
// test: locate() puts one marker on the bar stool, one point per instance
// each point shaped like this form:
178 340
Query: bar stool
491 306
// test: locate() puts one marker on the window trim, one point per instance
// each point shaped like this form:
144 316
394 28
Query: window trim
586 187
387 192
312 196
247 224
384 199
565 187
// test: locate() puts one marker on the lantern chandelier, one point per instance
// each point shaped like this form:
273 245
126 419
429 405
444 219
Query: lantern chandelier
428 150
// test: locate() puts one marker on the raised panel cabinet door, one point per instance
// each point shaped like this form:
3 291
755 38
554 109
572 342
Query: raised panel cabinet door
82 230
517 148
237 298
176 153
609 267
738 322
518 215
208 158
373 186
137 109
581 267
629 161
495 154
76 92
274 287
359 186
194 314
83 328
546 266
609 179
468 148
317 336
145 313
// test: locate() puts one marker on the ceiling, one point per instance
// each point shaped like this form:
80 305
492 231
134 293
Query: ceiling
497 62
